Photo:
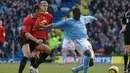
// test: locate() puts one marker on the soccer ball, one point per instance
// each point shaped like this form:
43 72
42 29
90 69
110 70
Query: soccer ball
113 69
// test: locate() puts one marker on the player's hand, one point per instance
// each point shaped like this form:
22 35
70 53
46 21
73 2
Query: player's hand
39 41
122 30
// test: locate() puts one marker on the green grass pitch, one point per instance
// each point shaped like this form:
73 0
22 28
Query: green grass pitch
57 68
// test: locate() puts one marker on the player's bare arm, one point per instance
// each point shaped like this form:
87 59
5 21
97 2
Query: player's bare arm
123 28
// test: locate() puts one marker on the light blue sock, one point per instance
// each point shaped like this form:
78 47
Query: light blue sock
86 64
63 57
75 57
77 69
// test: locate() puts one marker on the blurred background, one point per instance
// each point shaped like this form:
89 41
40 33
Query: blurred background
103 35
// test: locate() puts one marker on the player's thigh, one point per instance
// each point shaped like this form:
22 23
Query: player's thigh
32 45
39 47
68 45
65 43
26 50
43 47
82 45
71 45
127 41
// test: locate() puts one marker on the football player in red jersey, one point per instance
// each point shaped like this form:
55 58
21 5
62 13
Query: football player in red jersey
46 19
2 35
27 40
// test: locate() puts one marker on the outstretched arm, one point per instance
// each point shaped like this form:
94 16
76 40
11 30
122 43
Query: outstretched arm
58 25
89 19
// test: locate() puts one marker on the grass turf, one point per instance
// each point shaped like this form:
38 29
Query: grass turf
57 68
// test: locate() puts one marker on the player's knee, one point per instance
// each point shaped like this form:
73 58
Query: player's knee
27 54
44 48
73 52
87 53
48 51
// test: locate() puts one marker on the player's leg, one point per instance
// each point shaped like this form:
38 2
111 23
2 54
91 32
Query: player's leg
45 51
128 46
126 59
127 49
72 49
64 50
74 55
26 52
35 54
64 53
33 58
85 50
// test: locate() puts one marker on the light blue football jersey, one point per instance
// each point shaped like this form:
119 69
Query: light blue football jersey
74 29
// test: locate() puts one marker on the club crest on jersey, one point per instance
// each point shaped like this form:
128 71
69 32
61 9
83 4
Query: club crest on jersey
23 27
127 20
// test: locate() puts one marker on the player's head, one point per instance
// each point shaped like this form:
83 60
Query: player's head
44 4
38 10
76 13
0 22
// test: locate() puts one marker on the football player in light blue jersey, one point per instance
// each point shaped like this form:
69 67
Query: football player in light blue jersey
74 29
68 44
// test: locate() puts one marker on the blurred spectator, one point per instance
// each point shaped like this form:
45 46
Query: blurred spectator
3 8
2 38
108 13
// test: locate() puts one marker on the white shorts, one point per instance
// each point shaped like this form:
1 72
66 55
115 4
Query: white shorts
82 45
68 44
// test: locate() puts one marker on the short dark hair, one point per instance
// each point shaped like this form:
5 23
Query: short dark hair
76 10
36 7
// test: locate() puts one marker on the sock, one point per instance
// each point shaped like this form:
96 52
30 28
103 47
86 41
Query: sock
77 69
75 58
86 64
42 57
51 53
32 60
22 64
125 60
63 57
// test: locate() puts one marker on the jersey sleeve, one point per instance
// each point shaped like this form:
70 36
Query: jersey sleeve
124 19
89 19
51 18
3 31
26 26
60 24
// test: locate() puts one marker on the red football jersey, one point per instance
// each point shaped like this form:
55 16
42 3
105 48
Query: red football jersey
28 25
2 34
42 34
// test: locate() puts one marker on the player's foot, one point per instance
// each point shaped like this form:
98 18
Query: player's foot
63 63
73 70
128 70
91 63
33 70
125 70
